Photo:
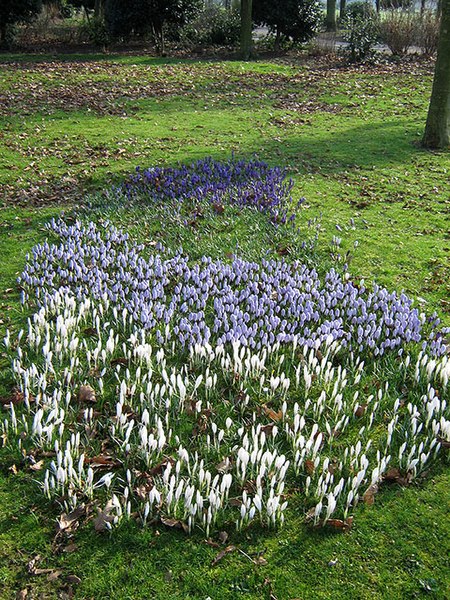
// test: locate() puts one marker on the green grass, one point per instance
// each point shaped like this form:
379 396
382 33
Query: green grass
350 139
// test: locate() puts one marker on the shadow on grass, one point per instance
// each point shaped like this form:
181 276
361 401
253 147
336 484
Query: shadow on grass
356 149
104 57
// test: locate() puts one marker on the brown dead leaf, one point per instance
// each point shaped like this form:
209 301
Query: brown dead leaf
159 468
73 579
260 560
68 522
275 416
22 595
175 523
212 543
86 394
53 575
15 398
37 466
121 360
224 466
360 411
444 443
309 466
103 461
13 469
268 428
235 502
223 537
222 553
392 474
369 494
343 525
70 548
90 331
104 518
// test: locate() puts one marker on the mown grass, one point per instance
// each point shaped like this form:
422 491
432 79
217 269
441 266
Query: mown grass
349 138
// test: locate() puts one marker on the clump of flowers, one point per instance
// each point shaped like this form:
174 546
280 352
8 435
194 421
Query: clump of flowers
242 183
206 394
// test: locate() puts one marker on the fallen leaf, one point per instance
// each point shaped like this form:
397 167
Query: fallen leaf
260 560
159 468
54 575
70 548
223 537
37 466
16 397
104 519
235 502
73 579
66 522
343 525
222 553
121 360
224 466
369 494
218 208
90 331
444 443
103 461
359 412
275 416
309 465
22 595
86 394
176 523
392 474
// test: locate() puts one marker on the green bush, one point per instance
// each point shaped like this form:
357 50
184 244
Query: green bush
95 31
296 20
16 11
360 30
213 26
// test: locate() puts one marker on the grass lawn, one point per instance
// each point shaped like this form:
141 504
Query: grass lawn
349 138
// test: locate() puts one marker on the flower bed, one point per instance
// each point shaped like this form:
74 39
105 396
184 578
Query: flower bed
211 394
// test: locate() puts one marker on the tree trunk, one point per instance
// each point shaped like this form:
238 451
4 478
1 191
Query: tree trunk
422 6
246 29
437 129
342 5
331 15
277 44
378 5
99 9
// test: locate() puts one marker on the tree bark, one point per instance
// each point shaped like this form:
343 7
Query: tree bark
437 128
99 9
246 29
342 5
331 15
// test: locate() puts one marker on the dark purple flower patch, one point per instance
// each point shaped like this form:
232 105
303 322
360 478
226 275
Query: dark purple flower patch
241 183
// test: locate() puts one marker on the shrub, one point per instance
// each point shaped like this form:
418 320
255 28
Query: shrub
297 20
16 11
428 33
361 30
95 31
398 30
125 18
213 26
